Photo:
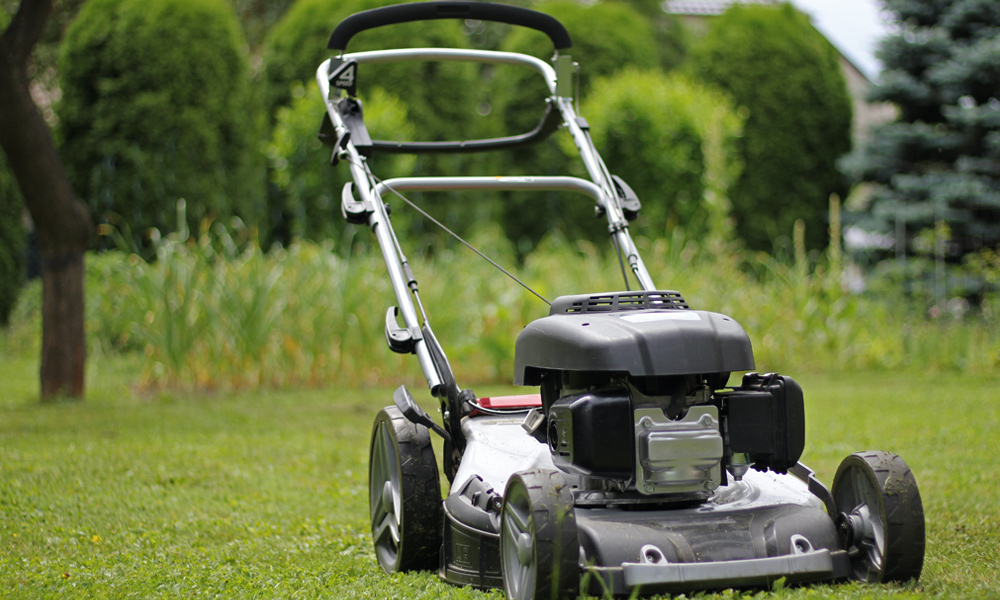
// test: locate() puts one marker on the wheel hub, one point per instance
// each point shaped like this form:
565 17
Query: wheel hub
387 504
524 549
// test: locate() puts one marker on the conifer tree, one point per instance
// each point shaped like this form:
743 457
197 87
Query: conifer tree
937 167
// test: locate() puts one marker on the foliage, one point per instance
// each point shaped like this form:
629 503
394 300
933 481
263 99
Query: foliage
672 140
300 165
785 74
156 106
297 45
607 37
939 162
11 231
217 313
12 239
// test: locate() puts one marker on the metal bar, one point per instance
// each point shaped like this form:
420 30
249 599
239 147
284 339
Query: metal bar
456 55
379 222
617 223
734 573
425 184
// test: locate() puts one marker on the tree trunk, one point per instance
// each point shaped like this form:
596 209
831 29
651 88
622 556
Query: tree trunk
61 221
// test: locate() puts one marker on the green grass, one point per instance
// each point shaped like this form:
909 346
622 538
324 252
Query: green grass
263 494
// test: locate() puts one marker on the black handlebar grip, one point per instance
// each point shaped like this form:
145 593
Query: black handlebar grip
449 9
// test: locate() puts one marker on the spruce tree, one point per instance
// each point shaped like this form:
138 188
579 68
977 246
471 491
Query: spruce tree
937 167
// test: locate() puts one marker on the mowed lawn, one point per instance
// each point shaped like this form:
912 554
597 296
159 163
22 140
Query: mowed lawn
264 494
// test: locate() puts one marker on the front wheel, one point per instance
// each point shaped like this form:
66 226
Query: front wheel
539 545
404 494
881 517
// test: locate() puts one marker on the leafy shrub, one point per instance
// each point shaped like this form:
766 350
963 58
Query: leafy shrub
12 241
11 231
298 44
219 313
772 62
300 165
441 98
607 37
156 106
673 142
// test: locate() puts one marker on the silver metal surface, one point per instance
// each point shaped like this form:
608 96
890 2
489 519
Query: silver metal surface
497 448
663 576
678 456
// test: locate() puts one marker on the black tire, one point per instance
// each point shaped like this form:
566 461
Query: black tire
539 545
404 494
881 517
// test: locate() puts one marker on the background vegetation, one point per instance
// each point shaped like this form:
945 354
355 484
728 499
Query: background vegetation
12 242
933 175
156 106
237 363
798 123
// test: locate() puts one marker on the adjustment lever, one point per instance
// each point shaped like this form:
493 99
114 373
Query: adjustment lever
414 414
400 339
629 200
355 212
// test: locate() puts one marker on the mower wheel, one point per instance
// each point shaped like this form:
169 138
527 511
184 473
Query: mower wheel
404 494
539 545
881 517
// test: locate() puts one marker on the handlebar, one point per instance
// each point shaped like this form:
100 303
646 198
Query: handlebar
449 9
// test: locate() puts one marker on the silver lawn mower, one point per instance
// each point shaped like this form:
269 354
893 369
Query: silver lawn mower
634 465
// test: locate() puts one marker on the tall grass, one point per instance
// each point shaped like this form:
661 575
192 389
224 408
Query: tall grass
219 313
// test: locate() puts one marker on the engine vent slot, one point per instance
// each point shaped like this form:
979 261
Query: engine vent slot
619 301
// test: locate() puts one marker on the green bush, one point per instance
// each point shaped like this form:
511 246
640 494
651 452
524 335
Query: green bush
298 44
776 65
12 241
606 37
441 98
300 164
673 141
11 231
156 107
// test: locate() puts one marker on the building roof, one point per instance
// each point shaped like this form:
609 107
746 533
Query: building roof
706 7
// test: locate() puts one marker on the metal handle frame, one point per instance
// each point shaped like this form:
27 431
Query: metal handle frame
600 187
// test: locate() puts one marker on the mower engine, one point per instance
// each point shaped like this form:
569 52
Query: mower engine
633 397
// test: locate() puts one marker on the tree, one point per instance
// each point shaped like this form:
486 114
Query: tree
61 221
157 106
937 167
786 76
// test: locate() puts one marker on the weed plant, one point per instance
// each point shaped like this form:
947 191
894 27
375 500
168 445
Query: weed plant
218 313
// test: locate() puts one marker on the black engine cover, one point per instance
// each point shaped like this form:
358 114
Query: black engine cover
646 342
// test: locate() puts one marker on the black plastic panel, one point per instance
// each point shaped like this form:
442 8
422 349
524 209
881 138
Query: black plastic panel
766 419
426 11
470 556
592 434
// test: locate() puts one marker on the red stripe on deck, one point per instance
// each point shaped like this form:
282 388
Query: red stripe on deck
507 402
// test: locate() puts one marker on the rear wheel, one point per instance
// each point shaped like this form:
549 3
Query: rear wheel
539 546
881 517
404 494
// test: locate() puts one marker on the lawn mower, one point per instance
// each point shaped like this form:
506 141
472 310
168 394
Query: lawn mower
634 467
